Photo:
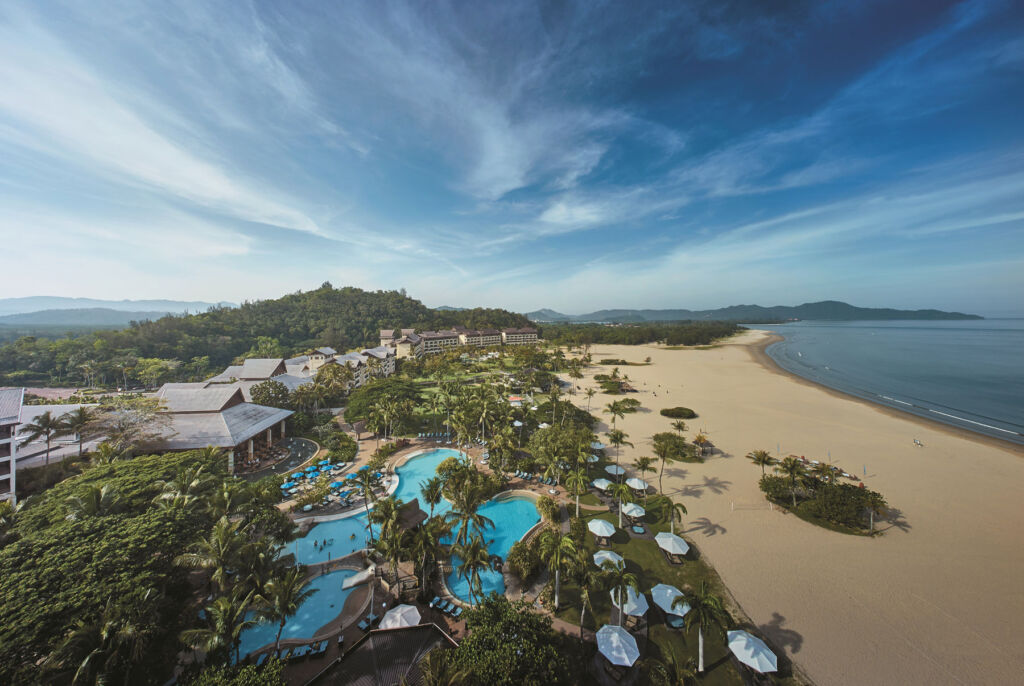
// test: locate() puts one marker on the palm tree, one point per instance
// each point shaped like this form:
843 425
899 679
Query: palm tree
706 612
679 425
105 453
44 426
426 542
391 545
556 550
616 410
473 558
590 393
701 441
439 669
670 672
281 598
675 514
365 480
93 501
227 621
824 472
795 470
464 514
227 500
219 552
876 505
623 493
577 481
643 465
617 437
619 581
77 423
432 491
761 458
584 579
188 484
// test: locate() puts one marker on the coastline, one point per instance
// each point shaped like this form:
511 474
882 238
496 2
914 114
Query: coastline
758 352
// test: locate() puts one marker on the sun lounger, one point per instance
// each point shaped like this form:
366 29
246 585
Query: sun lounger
447 607
261 659
637 529
364 625
320 649
436 601
457 613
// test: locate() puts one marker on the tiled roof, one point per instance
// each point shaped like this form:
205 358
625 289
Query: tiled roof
225 429
381 352
261 368
327 350
10 405
210 399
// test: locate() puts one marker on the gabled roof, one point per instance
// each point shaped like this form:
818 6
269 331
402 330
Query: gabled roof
10 405
301 359
380 352
301 369
211 399
387 333
226 429
351 359
261 368
326 350
229 373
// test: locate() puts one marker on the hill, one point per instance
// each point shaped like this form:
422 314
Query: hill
192 346
827 310
89 316
37 303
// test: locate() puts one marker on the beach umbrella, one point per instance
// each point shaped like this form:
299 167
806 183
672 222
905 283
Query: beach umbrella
617 645
637 484
602 556
400 616
633 510
603 484
593 458
337 484
601 527
543 425
636 603
351 476
364 467
288 484
597 445
323 462
517 423
615 470
751 651
672 544
663 595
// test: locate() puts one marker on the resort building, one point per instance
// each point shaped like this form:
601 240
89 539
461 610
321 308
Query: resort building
255 369
484 338
218 416
524 336
10 417
385 357
439 341
320 357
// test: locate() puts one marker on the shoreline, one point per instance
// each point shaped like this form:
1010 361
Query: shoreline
758 352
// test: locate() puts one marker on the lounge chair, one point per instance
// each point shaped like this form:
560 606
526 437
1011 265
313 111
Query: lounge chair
320 649
447 607
436 601
261 659
457 613
364 625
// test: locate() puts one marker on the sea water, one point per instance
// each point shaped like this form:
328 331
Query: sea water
969 374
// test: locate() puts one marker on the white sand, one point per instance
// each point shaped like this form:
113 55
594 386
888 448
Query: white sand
938 599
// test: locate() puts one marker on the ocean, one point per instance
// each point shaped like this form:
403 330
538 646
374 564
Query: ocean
969 374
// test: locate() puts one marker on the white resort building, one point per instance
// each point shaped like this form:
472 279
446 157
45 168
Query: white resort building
408 343
10 417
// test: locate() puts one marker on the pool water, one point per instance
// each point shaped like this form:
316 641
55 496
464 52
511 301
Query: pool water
320 609
512 518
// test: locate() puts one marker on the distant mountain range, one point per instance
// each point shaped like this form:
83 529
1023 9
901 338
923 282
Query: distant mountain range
449 308
86 317
38 303
826 310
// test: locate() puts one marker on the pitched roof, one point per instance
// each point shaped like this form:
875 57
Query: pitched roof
386 656
213 398
224 429
387 333
301 359
229 373
327 350
351 359
10 405
380 352
261 368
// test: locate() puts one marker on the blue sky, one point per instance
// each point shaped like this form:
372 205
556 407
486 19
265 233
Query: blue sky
567 155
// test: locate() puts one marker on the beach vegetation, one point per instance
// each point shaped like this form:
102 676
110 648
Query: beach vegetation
671 334
836 506
677 413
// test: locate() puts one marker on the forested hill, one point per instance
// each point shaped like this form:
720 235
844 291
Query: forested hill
827 310
193 345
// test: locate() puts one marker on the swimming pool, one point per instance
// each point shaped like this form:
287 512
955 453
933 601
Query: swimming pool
320 609
512 517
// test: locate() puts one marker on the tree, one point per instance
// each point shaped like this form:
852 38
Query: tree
619 581
45 426
616 410
218 552
129 423
466 502
643 465
557 550
281 598
794 470
226 617
79 423
679 425
761 458
706 613
185 489
473 558
668 447
675 514
391 545
438 668
701 441
670 672
271 393
248 675
623 493
585 579
492 659
617 437
577 481
590 393
94 501
366 481
432 491
426 543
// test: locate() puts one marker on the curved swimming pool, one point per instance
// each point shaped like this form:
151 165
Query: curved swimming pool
512 517
321 608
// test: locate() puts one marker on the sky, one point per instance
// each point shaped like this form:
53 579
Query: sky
569 155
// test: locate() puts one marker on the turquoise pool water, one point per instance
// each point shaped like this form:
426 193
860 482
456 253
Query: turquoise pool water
324 606
512 518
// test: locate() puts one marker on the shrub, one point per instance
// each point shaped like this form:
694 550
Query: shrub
578 530
341 447
840 504
548 509
613 363
524 558
678 413
776 488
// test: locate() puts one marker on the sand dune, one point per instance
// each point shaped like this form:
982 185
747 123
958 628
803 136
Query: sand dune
937 599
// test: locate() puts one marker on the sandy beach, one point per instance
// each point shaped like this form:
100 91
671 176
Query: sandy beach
937 599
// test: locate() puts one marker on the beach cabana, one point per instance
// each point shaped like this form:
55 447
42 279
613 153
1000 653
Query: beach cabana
597 445
617 645
603 484
751 651
672 544
602 556
517 423
664 595
601 528
636 603
593 458
400 616
615 470
637 484
633 510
